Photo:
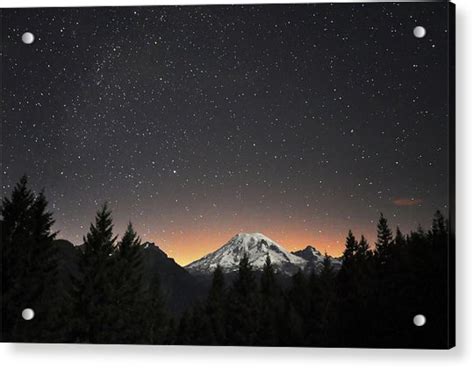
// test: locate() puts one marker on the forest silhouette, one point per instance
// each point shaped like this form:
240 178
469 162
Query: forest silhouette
102 294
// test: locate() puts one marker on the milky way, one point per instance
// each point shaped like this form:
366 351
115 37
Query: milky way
196 123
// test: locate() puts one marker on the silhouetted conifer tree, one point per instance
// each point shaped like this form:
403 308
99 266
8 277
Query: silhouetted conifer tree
400 240
384 240
268 284
243 307
216 307
270 306
327 299
348 317
128 292
351 248
29 268
95 294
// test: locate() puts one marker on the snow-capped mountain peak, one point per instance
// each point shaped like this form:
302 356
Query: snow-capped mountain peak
309 253
257 247
315 259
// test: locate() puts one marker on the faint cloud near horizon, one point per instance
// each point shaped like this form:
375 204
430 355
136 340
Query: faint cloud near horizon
405 202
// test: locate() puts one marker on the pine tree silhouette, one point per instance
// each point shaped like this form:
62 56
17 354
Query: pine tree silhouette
128 291
399 240
271 306
216 308
94 289
243 308
351 247
29 267
384 240
327 295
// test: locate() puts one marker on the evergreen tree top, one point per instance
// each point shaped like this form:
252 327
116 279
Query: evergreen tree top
100 237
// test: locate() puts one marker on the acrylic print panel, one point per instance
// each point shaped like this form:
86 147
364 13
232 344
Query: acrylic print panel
268 175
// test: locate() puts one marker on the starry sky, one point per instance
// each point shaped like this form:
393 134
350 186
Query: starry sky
196 123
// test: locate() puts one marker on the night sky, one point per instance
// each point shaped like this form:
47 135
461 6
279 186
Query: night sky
196 123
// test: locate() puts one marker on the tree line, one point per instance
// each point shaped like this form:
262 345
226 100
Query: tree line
106 300
369 302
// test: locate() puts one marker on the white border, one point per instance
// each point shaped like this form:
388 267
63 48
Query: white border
75 356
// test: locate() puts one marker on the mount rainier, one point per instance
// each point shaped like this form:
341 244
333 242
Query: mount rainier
257 246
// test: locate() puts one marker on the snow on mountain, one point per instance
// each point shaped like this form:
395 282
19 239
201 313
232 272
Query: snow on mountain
309 253
257 246
315 259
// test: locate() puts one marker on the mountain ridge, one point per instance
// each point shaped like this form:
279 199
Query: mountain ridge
258 246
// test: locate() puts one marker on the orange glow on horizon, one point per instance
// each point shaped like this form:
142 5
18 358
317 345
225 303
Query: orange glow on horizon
190 246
